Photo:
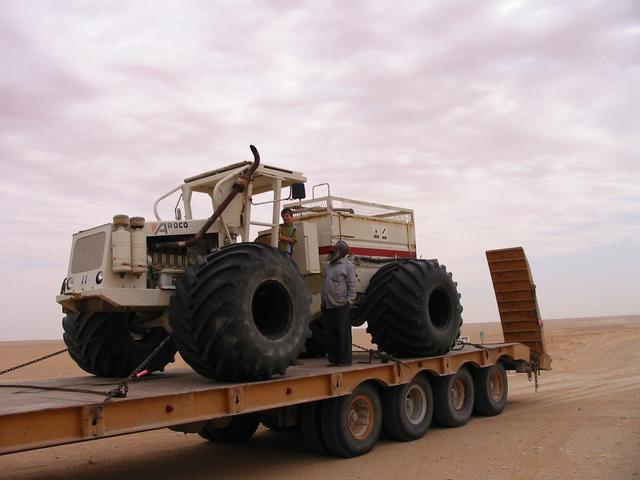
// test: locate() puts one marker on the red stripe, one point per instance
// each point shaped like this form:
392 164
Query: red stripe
371 252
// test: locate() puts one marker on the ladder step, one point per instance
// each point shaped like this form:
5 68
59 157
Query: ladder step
528 316
505 254
512 286
518 296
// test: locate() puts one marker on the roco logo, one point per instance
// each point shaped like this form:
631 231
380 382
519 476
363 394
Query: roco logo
166 227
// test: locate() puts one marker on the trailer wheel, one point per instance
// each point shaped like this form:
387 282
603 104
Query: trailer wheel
110 344
412 308
491 390
453 398
238 429
351 425
271 423
241 313
311 427
408 409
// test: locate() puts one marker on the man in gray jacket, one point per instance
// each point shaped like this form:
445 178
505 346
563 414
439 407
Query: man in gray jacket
338 292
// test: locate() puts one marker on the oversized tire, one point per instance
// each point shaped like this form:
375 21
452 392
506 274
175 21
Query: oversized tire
311 427
238 429
241 313
316 345
407 409
491 390
453 398
110 344
413 309
351 424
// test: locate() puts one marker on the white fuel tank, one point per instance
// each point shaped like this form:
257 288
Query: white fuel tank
138 246
121 245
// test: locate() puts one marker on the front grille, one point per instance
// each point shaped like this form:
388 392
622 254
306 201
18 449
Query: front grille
88 252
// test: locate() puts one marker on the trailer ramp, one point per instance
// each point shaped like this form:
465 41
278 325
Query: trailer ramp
517 302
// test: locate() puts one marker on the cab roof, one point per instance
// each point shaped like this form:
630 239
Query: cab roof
262 177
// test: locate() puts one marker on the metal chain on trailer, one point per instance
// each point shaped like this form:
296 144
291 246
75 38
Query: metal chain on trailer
459 345
534 370
384 357
118 392
36 360
123 388
41 387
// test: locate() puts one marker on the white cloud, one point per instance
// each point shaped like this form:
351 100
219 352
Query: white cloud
500 123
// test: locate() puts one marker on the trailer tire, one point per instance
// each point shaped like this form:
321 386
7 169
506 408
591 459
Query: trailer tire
407 409
491 390
453 398
241 314
311 427
351 424
108 344
271 423
240 429
413 309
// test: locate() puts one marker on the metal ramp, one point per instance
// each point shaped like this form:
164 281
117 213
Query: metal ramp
517 303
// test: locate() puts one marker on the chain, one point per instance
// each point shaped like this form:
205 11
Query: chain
460 345
382 356
33 361
118 392
57 389
535 367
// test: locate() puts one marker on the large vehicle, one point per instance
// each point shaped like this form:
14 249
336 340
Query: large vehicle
239 309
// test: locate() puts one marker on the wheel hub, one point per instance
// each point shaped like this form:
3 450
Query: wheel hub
496 385
415 404
458 394
361 417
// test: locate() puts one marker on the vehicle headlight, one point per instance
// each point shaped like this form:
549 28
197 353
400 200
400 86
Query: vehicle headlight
69 283
99 277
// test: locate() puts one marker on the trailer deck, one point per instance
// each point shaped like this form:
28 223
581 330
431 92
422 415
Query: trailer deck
32 418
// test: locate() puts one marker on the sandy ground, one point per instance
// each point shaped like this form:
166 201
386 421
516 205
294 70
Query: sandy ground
583 423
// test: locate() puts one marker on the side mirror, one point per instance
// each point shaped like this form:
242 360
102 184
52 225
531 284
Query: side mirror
298 191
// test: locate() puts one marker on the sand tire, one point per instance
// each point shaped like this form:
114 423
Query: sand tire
241 313
111 344
413 309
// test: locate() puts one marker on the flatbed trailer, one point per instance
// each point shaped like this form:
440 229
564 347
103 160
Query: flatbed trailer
338 410
33 418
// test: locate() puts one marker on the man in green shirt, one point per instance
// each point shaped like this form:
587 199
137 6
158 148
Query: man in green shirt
288 236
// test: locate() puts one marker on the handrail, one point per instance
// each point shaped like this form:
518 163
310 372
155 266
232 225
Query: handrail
155 205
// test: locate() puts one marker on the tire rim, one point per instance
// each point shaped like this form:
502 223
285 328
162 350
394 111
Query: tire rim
415 404
458 394
361 417
496 385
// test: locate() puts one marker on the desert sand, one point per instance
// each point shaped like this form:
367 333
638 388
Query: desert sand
583 423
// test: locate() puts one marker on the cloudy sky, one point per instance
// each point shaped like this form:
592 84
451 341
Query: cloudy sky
502 123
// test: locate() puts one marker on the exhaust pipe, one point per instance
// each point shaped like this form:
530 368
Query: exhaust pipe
238 186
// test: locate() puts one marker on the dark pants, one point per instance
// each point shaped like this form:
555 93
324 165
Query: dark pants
337 324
